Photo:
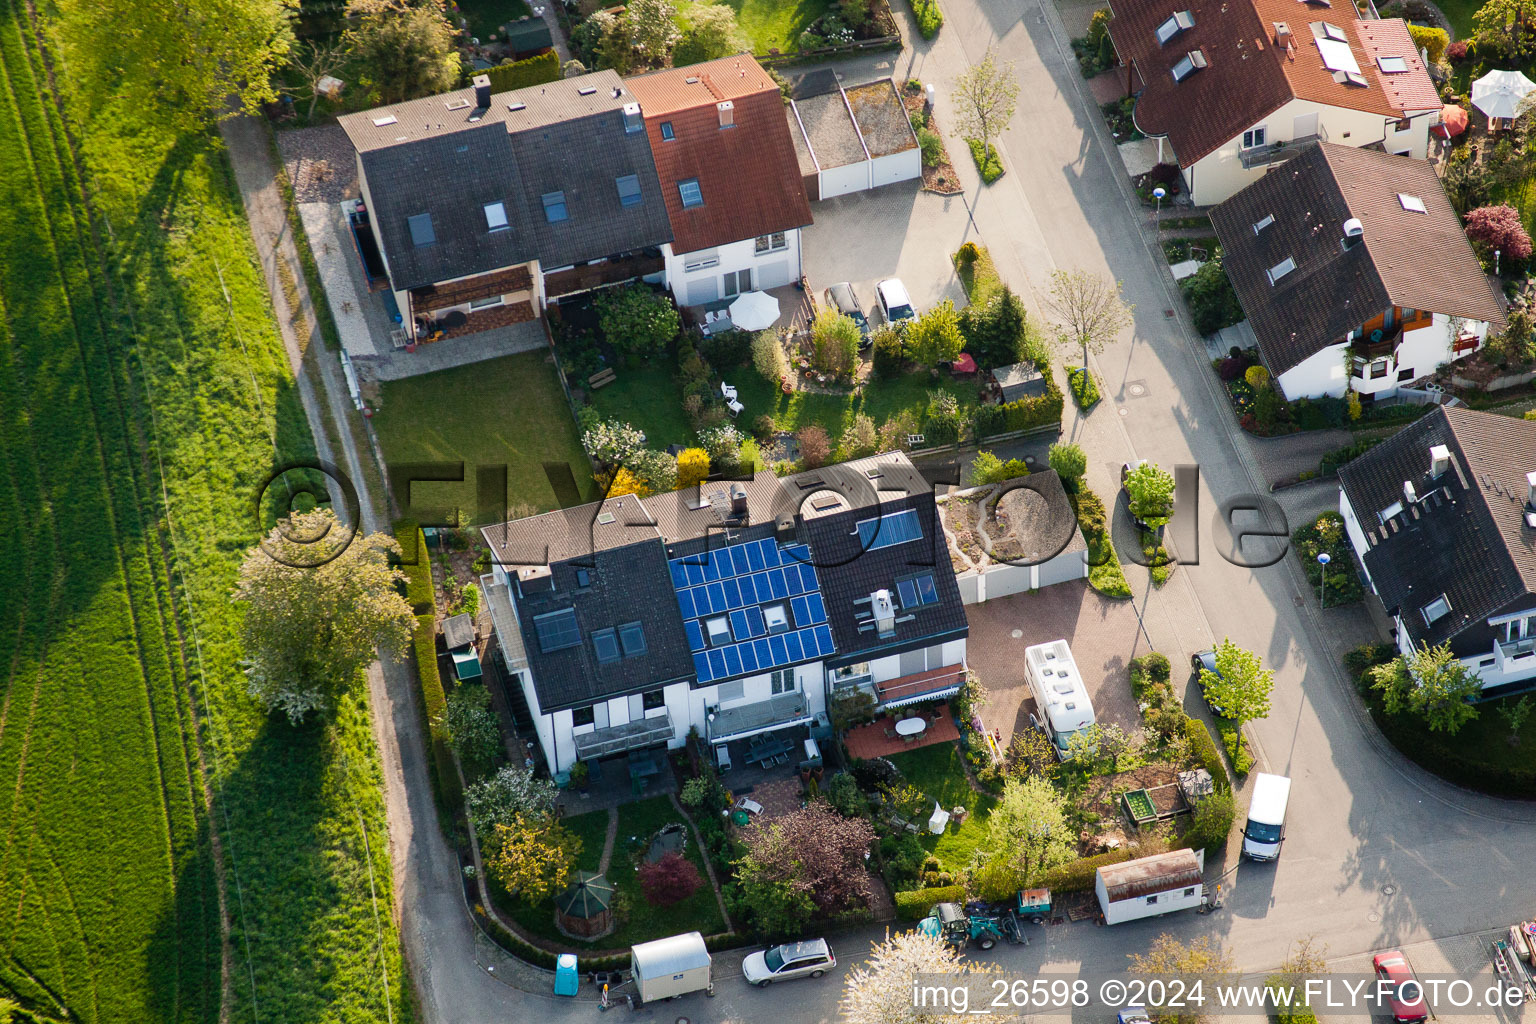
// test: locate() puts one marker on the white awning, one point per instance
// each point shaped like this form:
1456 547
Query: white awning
948 691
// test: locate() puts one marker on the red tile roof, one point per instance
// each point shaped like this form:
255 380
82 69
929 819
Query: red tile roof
1247 76
748 173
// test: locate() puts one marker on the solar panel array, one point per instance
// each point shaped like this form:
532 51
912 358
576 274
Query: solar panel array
895 528
918 591
736 583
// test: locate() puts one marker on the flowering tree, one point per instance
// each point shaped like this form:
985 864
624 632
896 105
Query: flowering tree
532 856
880 991
612 441
1027 830
692 466
669 880
722 443
1499 227
508 793
817 852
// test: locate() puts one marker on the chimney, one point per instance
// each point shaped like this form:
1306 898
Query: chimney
1439 460
633 122
1530 490
727 111
1410 494
1354 231
885 611
1282 34
482 91
738 501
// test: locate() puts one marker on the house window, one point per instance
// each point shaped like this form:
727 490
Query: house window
917 591
583 716
496 216
737 282
1254 137
605 644
554 207
485 303
1269 219
1188 64
632 639
1190 891
1174 25
1378 368
690 193
719 631
1413 204
1405 375
700 260
667 135
421 229
629 190
1392 65
783 681
733 690
771 243
1151 900
653 699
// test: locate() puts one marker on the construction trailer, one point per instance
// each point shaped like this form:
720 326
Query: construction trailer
670 967
1150 886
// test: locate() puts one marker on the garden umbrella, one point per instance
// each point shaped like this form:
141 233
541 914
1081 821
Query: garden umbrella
1498 93
1453 121
755 311
965 364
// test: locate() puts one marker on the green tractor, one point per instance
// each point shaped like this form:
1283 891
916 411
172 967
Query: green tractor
951 923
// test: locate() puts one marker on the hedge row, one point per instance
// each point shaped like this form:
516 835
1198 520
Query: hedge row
434 706
1024 414
1077 875
929 17
1452 765
1204 749
538 957
1331 462
540 70
914 904
416 565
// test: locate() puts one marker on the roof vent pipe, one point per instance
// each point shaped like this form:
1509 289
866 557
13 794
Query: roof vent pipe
1354 231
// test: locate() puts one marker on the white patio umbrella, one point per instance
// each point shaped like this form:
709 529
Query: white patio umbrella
1498 93
754 311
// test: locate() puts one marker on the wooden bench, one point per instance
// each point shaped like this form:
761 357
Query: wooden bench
602 378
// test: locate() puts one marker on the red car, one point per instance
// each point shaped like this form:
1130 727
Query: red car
1392 968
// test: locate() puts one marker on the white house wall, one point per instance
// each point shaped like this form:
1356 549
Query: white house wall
1321 373
1215 177
1421 351
769 269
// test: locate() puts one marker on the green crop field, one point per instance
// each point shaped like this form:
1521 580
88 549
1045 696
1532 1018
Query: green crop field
141 792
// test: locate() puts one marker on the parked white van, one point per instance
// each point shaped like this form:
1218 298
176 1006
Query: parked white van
1060 696
1265 830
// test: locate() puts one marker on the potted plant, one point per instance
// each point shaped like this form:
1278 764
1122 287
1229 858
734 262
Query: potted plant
580 775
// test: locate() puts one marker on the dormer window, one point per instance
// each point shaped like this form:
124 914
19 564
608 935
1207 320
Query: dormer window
1280 269
1174 25
1436 610
775 619
1191 62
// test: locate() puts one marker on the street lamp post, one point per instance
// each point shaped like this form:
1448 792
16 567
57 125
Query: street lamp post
1159 194
1323 559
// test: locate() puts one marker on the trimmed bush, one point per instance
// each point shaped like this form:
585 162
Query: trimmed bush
1433 40
1085 390
890 356
417 566
914 904
932 147
929 17
1077 875
1212 822
1204 749
445 774
540 70
1212 302
989 164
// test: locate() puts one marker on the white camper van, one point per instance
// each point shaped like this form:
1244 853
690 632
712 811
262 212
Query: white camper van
1265 830
1062 701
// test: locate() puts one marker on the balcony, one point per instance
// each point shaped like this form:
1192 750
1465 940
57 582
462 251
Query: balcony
777 712
596 275
1518 649
617 739
1263 156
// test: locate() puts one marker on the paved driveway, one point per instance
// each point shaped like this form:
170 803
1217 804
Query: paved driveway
1104 636
894 231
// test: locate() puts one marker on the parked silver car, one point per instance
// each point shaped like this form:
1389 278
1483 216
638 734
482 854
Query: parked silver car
809 959
895 304
841 298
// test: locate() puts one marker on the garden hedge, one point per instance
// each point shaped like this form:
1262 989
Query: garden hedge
417 566
929 17
1077 875
445 773
914 904
540 70
1451 764
1204 749
1024 414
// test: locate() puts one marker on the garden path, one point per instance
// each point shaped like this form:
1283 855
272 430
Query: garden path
608 838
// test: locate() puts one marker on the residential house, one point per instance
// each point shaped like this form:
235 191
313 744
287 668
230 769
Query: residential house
1354 272
1235 86
494 205
728 175
851 139
1443 517
735 610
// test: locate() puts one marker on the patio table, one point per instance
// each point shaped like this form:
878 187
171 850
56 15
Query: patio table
643 767
766 751
911 726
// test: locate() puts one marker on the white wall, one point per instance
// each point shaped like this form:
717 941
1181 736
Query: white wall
894 167
1155 905
839 181
1421 350
1216 176
769 269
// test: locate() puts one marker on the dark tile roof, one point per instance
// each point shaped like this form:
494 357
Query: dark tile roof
1413 260
850 574
748 173
1247 76
568 136
624 586
1464 537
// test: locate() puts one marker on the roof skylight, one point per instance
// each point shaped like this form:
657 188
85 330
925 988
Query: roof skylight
1413 204
1280 269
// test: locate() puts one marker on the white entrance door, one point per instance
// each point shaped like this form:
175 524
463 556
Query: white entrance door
1306 124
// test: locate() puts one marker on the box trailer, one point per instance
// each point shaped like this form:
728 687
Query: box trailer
1060 696
1150 886
670 967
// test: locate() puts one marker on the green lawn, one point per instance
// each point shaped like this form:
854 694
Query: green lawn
502 412
939 772
640 820
979 278
880 400
591 829
139 426
647 396
773 24
1460 13
487 16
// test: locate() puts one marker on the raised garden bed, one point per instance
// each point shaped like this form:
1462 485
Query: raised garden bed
1138 806
940 177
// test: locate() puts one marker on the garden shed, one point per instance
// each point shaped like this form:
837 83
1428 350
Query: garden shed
1018 380
851 140
586 906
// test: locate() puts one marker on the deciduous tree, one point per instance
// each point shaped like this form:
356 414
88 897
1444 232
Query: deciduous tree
692 466
879 991
1088 309
768 357
1170 956
935 337
1515 715
986 96
405 49
612 441
817 852
1240 686
861 438
1433 684
713 32
637 319
1499 227
669 880
1027 829
1069 461
1149 490
512 791
472 726
834 342
320 601
652 25
532 856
